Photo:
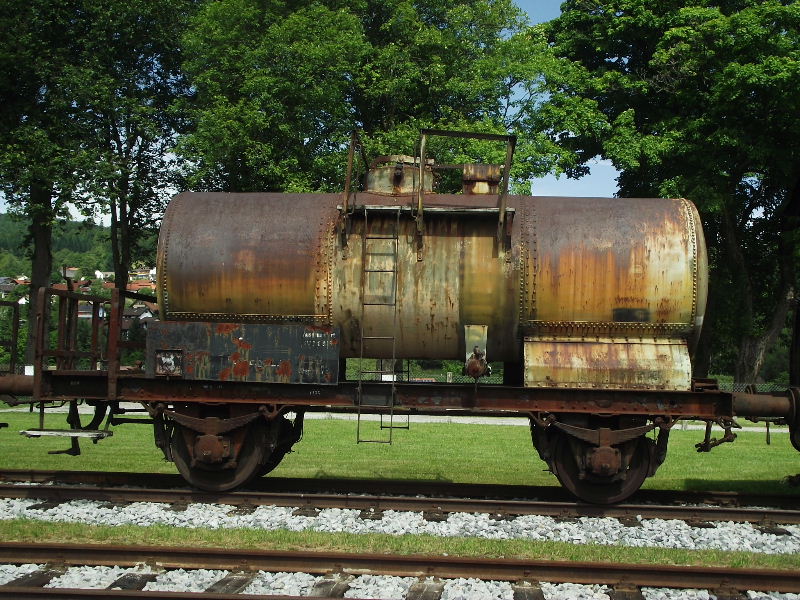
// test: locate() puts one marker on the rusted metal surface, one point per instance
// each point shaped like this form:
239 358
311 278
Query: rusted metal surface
397 174
608 260
459 282
763 405
16 385
481 179
288 353
608 267
431 398
655 364
246 257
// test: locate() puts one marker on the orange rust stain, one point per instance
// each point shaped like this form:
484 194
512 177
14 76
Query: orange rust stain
226 328
224 374
242 344
235 357
322 328
241 368
285 368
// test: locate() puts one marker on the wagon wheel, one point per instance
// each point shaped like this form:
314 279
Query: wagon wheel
599 489
227 474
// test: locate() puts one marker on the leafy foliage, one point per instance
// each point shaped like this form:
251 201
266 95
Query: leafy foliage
689 98
280 87
82 244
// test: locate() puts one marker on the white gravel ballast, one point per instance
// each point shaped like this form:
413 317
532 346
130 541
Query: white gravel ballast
727 536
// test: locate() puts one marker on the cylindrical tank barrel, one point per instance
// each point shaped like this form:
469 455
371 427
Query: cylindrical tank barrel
602 267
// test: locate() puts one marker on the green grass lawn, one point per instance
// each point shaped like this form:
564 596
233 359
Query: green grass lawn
456 452
499 454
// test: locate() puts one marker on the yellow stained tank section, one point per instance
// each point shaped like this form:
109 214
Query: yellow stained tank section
603 281
610 261
459 281
244 257
607 363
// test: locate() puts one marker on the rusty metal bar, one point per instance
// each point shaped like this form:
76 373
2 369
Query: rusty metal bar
423 138
42 318
354 139
415 397
511 143
16 385
679 576
96 332
114 329
762 405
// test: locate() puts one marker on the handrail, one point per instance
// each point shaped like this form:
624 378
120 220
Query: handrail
105 313
511 142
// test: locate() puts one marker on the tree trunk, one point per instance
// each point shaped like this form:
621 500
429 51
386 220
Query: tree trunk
794 349
754 348
120 254
40 231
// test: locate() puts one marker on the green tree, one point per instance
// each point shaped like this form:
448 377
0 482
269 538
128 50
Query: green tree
125 88
39 143
691 99
87 116
280 86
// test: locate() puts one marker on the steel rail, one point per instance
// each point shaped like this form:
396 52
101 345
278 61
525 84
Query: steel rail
26 593
378 503
447 567
401 487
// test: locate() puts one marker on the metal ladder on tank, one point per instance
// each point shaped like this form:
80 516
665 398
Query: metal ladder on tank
390 300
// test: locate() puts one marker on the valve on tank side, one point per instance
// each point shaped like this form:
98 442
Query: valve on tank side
476 365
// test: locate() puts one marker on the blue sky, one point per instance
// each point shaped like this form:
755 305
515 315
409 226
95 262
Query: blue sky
602 179
540 10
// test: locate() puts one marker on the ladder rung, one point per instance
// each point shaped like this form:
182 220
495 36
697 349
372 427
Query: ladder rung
378 372
379 303
381 237
380 270
377 337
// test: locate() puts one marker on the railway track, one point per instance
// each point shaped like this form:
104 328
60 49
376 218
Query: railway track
336 570
434 506
398 487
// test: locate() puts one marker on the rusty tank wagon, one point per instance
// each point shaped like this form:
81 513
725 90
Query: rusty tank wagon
592 305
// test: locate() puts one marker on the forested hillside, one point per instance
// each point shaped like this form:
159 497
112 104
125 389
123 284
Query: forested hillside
75 244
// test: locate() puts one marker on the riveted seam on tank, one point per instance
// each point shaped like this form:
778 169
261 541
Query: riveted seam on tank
592 328
162 265
249 318
329 276
529 253
693 248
